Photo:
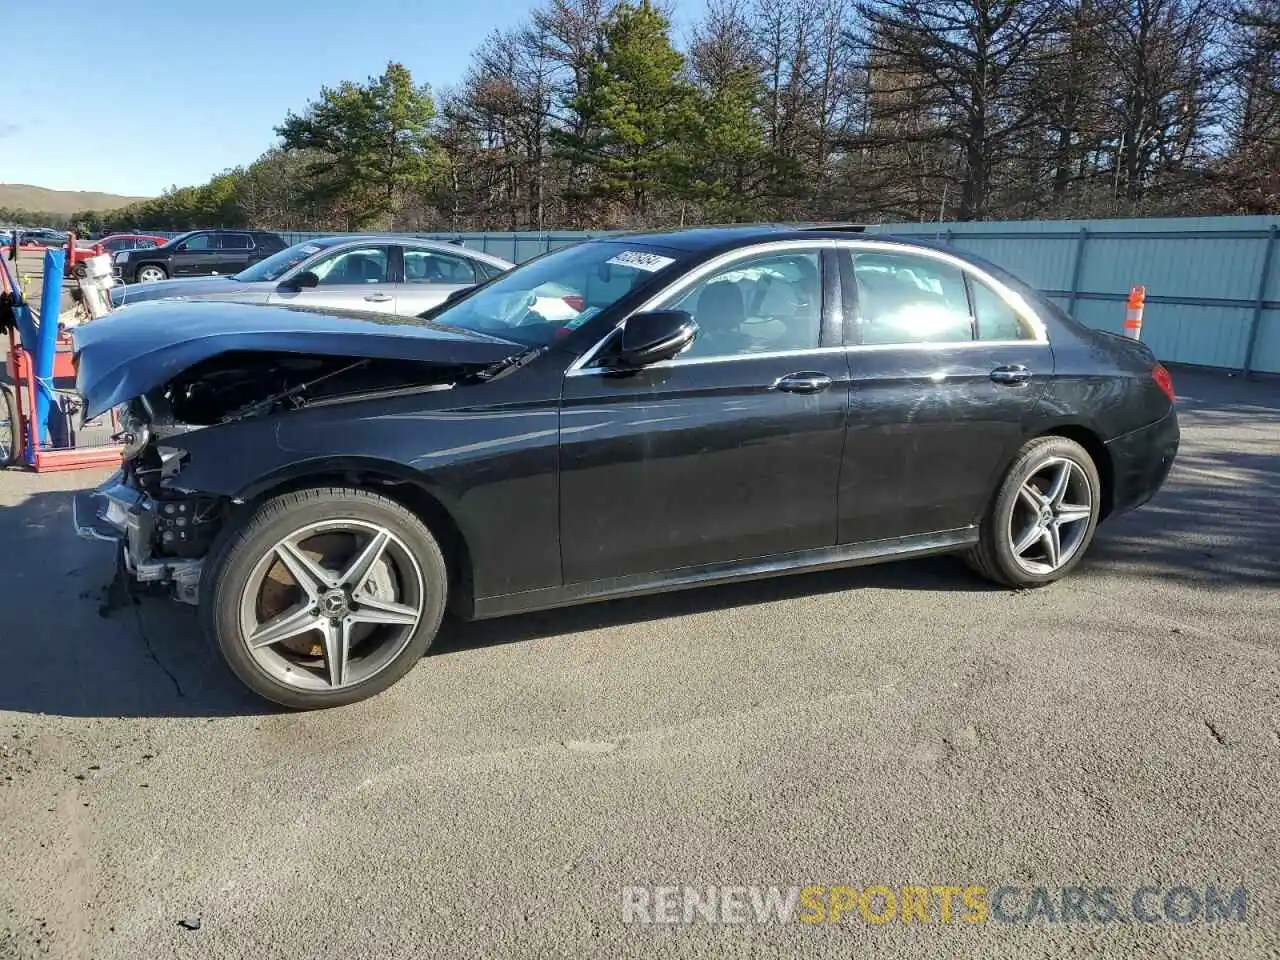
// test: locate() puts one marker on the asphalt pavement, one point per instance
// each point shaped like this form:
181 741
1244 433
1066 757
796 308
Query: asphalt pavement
897 725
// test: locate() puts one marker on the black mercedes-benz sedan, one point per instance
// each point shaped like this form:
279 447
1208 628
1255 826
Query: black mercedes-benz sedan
628 415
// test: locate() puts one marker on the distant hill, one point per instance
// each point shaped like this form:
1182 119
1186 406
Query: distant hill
22 196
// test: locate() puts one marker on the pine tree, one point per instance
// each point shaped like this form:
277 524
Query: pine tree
634 111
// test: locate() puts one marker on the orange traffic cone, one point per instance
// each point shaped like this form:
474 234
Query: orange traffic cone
1133 315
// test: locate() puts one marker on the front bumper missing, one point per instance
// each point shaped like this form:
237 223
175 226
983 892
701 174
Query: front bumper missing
117 513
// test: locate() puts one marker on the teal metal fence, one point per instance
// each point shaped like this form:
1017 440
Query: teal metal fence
1213 283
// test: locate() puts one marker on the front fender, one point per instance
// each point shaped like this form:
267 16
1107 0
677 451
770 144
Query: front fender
493 469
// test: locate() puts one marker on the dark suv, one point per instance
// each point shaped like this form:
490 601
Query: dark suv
199 253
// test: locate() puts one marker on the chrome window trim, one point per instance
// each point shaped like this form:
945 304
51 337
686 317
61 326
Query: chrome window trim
579 366
1023 310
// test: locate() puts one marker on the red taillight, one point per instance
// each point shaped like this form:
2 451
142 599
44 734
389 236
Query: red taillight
1164 381
578 303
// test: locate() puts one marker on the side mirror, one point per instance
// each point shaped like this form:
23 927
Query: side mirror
652 337
303 281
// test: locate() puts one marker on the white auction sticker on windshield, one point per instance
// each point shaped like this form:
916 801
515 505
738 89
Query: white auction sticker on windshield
638 260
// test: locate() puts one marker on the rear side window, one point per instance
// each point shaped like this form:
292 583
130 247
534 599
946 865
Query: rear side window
429 266
908 299
236 241
996 320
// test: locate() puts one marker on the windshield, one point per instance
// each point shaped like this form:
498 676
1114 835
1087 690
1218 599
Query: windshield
550 297
278 264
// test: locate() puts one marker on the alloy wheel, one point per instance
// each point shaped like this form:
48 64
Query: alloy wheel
331 605
150 275
1050 516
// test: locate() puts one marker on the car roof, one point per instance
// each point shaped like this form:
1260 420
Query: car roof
401 239
711 240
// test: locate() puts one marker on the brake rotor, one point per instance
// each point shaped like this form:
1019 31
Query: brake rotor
280 591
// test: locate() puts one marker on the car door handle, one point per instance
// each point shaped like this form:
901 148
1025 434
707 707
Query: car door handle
803 383
378 297
1014 373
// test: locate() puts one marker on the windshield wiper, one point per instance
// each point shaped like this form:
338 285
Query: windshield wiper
292 396
508 364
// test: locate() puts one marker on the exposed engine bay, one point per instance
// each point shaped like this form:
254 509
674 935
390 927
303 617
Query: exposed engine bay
165 530
239 384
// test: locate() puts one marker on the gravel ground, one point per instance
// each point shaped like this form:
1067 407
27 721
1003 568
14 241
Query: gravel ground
895 725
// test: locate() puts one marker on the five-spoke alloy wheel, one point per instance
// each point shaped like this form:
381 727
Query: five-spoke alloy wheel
152 274
324 596
1043 516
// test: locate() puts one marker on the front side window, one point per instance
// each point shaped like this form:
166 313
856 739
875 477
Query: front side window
363 265
759 304
199 243
429 266
909 299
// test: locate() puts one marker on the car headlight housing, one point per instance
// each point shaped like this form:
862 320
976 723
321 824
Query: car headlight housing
122 256
135 433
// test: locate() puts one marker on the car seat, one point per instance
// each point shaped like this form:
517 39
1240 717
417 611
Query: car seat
360 268
720 313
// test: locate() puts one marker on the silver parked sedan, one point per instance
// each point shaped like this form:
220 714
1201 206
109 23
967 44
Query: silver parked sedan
386 274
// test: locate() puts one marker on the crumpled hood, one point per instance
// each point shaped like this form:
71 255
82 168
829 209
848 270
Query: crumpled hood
123 355
131 293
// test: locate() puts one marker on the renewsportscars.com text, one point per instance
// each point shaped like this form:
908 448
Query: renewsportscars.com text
937 904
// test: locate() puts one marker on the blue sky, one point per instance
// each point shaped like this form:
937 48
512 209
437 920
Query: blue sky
145 94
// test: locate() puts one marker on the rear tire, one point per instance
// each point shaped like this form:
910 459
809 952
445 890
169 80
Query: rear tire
1043 516
366 632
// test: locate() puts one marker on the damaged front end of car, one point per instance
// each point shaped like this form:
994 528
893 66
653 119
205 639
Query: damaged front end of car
196 426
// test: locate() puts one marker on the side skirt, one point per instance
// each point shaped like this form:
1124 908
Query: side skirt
803 561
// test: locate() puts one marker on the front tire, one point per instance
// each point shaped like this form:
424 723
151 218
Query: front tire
1043 516
324 596
152 274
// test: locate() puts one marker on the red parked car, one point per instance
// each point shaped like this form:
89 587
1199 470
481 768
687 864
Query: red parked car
111 244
